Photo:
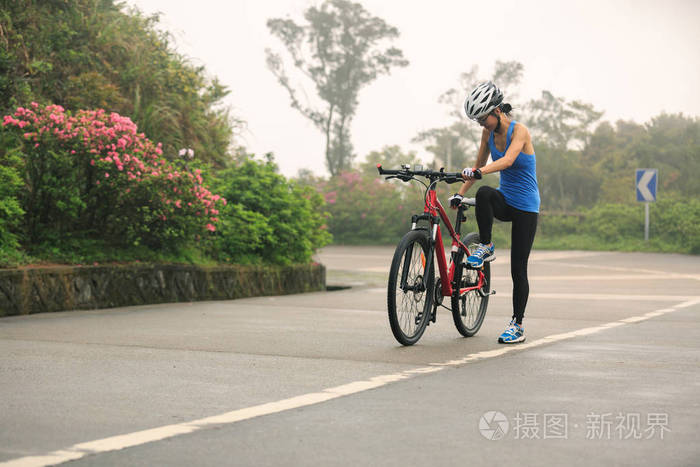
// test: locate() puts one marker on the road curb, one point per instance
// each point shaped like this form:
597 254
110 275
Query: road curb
62 288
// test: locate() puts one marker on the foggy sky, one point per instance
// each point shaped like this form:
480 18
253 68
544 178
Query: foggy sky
631 59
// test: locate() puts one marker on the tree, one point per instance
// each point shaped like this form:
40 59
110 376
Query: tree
560 123
565 182
670 143
552 120
558 128
674 148
457 144
390 157
340 49
452 146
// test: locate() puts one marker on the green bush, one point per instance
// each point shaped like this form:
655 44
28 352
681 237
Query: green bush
609 222
267 218
557 224
674 226
677 222
11 183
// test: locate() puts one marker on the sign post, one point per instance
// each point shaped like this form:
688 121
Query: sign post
646 182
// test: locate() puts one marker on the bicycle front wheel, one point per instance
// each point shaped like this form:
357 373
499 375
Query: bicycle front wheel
469 308
410 292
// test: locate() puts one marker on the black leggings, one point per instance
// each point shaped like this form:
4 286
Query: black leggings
490 203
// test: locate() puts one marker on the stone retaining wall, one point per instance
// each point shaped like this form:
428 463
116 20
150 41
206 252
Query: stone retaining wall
39 290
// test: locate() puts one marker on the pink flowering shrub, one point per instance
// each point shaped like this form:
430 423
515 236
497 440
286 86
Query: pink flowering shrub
92 175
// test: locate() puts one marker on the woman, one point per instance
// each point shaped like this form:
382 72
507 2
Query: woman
516 200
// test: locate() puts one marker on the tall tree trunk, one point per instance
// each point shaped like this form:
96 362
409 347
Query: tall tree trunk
341 144
329 158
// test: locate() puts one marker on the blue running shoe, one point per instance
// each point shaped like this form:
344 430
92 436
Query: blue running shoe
481 254
513 334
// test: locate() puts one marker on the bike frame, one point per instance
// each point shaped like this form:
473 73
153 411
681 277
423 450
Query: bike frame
434 209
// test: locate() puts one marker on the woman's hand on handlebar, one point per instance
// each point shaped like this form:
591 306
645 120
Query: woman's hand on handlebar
455 200
470 174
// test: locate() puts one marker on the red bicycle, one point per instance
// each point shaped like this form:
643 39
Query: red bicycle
414 294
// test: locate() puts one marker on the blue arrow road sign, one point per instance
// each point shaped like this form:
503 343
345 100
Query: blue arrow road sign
646 184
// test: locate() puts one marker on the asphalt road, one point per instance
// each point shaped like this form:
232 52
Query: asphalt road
609 375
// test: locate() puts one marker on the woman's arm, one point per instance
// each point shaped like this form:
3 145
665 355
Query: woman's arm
481 159
521 136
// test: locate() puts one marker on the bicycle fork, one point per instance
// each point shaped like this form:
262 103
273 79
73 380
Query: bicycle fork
406 268
409 252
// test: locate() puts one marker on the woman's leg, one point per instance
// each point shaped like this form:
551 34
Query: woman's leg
522 236
490 203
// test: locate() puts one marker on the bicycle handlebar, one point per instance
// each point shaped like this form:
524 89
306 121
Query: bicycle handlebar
407 174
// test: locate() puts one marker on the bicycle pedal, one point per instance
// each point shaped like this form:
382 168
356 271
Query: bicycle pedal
486 294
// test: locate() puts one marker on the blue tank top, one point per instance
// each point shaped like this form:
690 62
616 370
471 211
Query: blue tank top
519 181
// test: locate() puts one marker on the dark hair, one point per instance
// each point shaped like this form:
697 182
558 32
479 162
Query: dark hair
506 108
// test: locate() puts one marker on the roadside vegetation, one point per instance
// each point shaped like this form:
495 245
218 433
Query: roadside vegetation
114 147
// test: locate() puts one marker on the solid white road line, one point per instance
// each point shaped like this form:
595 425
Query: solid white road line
138 438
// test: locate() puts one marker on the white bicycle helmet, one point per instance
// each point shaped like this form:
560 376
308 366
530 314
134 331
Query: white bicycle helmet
482 100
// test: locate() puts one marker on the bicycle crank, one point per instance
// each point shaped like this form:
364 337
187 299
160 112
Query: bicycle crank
437 300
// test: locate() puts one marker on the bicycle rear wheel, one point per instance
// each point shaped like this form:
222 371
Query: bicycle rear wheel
410 291
469 309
